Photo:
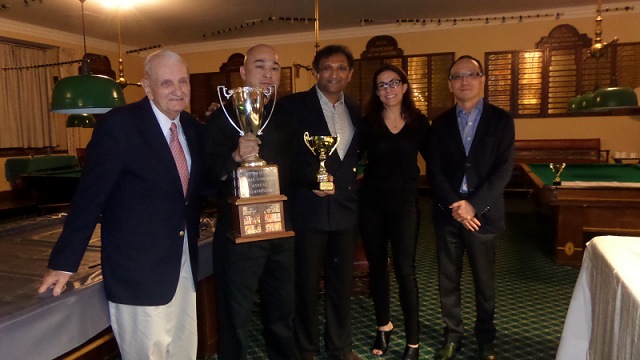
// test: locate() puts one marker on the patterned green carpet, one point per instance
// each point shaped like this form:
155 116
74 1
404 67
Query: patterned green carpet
533 295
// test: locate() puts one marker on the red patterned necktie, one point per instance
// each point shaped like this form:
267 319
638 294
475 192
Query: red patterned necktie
178 156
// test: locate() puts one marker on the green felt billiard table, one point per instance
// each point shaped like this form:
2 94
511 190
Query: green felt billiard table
592 198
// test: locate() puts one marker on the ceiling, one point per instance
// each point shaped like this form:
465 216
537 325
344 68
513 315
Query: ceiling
177 22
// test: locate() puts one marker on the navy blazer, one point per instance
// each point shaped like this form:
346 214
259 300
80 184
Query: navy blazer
309 211
488 166
131 184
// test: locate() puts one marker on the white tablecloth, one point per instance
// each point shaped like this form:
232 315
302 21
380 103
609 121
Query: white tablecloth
603 321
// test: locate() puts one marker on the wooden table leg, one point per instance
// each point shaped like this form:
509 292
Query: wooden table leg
569 236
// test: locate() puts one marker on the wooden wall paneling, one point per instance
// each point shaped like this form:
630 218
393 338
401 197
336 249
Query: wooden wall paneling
499 86
530 82
626 64
439 97
418 71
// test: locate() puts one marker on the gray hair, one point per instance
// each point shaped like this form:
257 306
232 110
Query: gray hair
167 54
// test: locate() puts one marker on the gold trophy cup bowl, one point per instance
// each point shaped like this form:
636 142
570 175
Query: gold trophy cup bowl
557 169
322 146
248 103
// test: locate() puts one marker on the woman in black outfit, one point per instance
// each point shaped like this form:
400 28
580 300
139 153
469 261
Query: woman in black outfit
393 133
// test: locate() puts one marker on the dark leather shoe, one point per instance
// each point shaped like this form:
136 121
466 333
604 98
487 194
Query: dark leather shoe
448 351
382 341
350 356
486 352
410 353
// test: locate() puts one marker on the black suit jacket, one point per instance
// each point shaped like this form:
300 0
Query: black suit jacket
309 211
488 166
130 182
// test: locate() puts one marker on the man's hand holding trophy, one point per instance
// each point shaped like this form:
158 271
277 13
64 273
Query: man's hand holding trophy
248 147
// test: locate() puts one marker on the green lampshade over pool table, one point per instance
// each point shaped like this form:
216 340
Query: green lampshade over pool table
81 120
614 97
86 94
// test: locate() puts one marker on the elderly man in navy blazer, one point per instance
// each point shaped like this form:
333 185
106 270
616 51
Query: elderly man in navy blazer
469 162
142 182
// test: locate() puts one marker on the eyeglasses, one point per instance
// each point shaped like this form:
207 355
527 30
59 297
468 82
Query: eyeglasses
470 75
391 83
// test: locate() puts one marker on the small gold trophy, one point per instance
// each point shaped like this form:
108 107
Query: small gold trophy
322 146
258 211
557 169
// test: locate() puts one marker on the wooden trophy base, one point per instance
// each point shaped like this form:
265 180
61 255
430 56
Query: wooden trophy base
258 218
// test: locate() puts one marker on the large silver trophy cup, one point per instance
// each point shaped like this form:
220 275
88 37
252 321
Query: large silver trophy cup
248 103
258 211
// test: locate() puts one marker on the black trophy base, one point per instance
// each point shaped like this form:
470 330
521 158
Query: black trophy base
557 183
258 218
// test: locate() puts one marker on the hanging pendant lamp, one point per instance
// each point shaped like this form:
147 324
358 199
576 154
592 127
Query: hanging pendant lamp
81 121
613 97
121 80
86 93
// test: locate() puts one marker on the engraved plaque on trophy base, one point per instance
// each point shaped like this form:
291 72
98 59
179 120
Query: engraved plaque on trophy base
323 184
258 218
253 181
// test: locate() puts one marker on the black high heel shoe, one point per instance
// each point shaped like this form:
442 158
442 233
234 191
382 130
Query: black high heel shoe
411 353
382 341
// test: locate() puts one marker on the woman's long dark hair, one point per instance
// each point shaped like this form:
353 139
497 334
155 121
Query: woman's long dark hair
374 108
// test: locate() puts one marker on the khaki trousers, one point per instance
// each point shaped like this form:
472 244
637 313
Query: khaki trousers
167 332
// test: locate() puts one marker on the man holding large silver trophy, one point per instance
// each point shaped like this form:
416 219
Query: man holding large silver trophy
253 244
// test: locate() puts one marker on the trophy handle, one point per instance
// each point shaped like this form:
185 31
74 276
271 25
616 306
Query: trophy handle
306 141
272 90
227 94
335 145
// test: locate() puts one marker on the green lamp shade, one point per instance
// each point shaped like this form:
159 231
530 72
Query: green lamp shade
574 104
615 97
81 120
585 101
86 94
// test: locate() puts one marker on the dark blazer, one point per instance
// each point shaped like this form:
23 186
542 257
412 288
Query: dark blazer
310 211
488 166
131 184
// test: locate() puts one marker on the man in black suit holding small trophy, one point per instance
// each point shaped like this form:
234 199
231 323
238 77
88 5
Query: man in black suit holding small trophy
324 203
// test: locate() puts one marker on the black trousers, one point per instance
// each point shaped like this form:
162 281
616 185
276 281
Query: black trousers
329 253
381 223
453 240
242 269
